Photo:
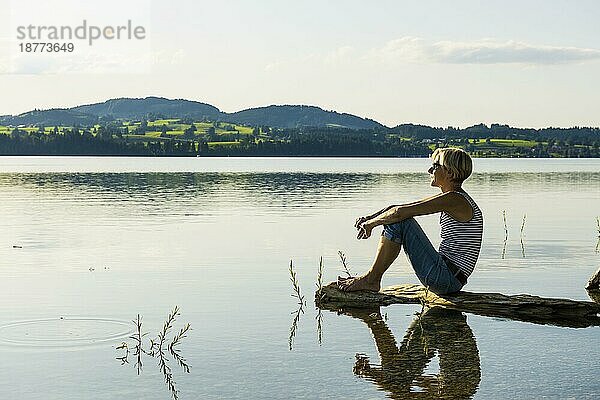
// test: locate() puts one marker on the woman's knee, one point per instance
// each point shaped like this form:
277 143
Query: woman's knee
401 225
396 232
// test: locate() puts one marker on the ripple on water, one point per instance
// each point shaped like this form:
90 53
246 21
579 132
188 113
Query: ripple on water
64 332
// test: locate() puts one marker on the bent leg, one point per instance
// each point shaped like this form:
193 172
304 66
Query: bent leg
428 264
387 252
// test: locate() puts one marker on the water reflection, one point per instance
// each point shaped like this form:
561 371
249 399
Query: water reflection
521 237
319 319
281 186
199 183
159 349
301 303
598 242
436 332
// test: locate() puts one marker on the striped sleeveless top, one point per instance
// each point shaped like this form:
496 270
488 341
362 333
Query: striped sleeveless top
461 241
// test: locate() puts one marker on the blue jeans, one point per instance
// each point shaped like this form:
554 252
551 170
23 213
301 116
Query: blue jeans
430 267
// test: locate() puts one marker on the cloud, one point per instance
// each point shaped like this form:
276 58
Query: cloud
58 64
274 66
485 51
339 55
305 60
90 63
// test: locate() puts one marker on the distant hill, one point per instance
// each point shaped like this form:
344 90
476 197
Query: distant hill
285 116
291 116
57 116
157 107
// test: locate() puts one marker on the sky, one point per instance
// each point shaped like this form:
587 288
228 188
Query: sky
439 63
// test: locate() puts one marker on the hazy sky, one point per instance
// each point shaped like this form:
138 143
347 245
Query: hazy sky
523 63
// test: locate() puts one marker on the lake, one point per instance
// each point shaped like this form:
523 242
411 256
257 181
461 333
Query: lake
90 243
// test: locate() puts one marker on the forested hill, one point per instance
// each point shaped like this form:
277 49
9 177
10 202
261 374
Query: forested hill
151 108
159 126
289 116
581 135
56 116
157 107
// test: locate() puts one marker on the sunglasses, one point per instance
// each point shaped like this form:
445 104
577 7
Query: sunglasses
435 166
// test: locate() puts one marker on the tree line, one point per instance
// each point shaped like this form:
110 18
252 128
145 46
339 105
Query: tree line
401 141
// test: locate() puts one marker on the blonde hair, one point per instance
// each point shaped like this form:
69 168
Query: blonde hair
456 161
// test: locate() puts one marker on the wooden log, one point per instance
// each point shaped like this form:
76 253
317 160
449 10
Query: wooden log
521 307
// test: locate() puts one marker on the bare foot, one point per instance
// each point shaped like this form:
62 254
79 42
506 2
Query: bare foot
357 283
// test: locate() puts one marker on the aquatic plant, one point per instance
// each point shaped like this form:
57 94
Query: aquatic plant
344 264
319 319
294 326
319 316
166 328
505 234
522 230
158 349
182 334
138 350
175 352
125 358
320 274
598 242
301 303
296 286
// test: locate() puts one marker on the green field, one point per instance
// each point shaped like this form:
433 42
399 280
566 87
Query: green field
504 143
177 128
174 128
224 135
30 129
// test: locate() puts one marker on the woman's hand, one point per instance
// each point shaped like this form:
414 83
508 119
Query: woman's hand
362 220
364 229
359 221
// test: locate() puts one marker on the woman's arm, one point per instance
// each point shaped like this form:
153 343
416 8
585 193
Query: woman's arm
451 202
360 220
386 209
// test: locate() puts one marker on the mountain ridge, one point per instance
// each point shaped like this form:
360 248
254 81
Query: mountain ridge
154 107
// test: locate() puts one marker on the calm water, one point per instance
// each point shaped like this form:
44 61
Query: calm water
89 243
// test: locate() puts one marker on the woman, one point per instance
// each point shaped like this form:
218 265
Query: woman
461 222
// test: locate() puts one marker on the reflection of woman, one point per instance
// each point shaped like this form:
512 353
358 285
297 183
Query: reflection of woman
401 372
461 223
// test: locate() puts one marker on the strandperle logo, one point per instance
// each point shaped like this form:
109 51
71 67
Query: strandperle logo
85 31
